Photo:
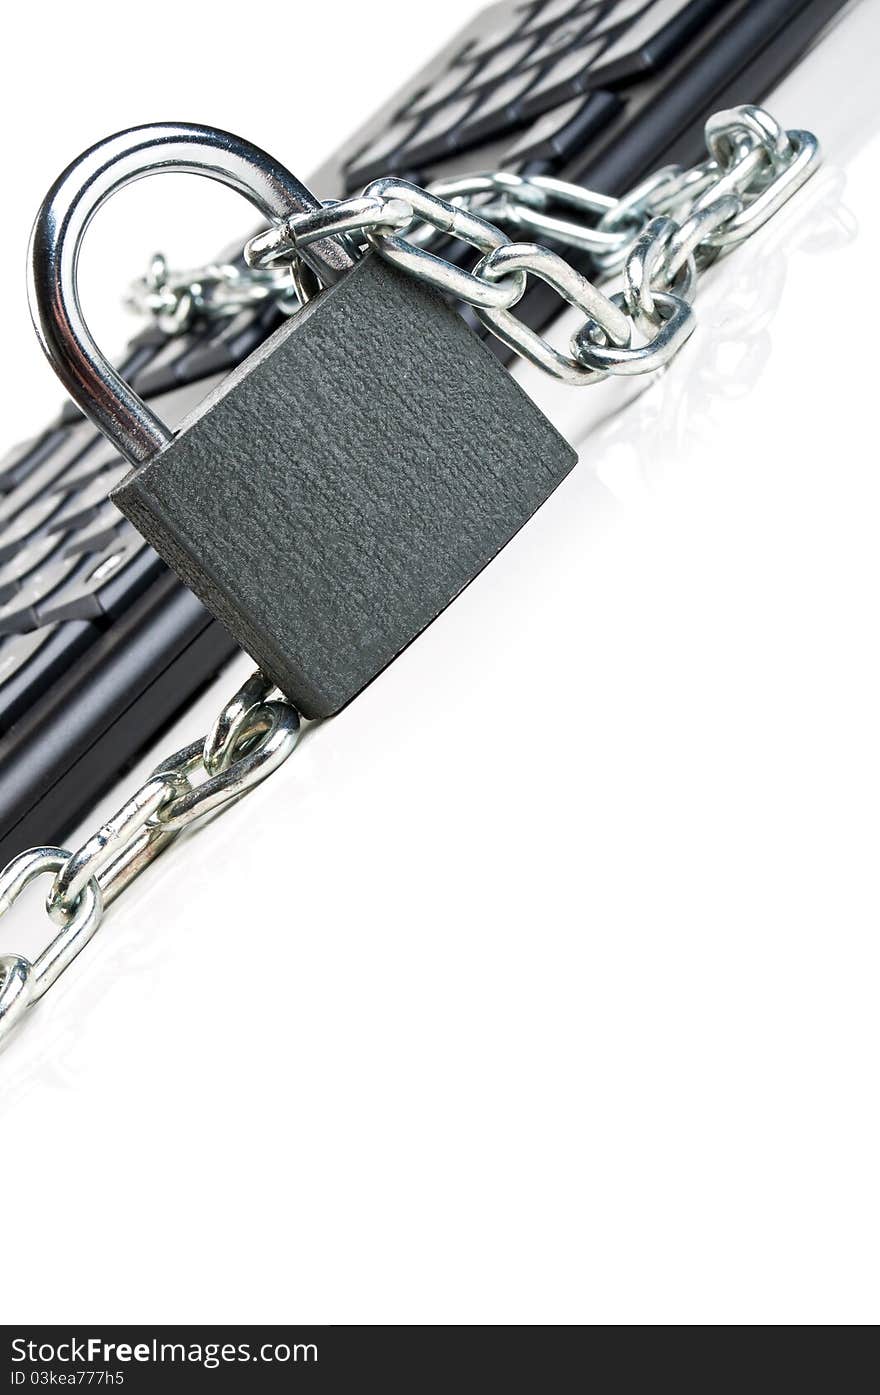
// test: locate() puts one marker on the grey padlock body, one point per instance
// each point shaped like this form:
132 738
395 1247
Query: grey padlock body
331 497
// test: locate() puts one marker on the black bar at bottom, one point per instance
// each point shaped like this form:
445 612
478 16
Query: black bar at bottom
278 1357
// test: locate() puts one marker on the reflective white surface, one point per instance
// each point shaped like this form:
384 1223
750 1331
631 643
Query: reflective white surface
541 984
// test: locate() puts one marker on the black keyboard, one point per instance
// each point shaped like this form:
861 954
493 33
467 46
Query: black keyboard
100 646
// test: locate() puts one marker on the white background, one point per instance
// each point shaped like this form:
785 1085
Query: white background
541 984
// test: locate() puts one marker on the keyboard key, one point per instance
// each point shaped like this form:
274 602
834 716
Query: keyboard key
24 458
118 585
25 560
30 664
373 159
20 613
555 13
99 456
559 41
13 458
160 373
141 351
568 77
503 63
437 138
213 350
208 356
33 520
656 38
243 334
211 353
84 503
104 581
621 13
498 113
45 476
441 125
61 472
444 87
560 134
479 47
96 532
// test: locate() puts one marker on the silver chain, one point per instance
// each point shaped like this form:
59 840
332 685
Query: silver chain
254 734
176 300
659 236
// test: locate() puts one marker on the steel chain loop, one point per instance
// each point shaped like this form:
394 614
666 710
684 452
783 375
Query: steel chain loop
575 289
659 235
254 734
218 291
456 221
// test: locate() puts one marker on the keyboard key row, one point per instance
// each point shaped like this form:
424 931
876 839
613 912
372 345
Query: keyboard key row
31 663
82 584
486 94
105 581
564 130
654 39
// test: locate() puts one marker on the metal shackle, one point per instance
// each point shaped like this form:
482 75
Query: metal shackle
66 212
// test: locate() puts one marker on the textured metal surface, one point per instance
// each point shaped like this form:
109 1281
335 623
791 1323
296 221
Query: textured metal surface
341 487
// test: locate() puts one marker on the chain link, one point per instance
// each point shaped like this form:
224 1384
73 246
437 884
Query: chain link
659 236
254 734
753 168
176 300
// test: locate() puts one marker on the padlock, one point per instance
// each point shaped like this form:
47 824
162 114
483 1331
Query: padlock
341 486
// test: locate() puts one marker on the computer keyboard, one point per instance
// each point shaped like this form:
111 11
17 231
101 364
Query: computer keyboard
100 646
560 62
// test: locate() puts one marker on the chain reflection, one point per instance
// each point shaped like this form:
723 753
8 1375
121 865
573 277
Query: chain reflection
730 351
